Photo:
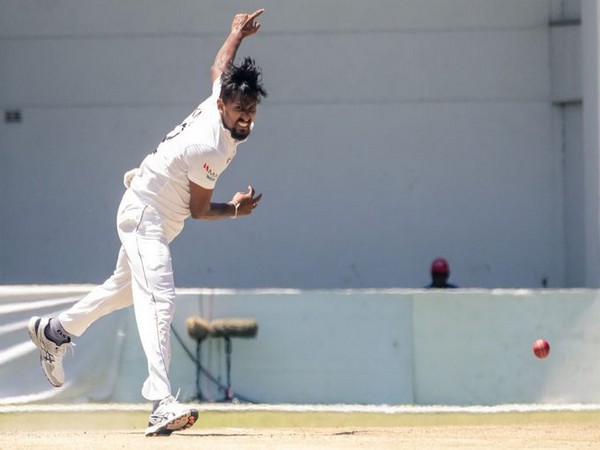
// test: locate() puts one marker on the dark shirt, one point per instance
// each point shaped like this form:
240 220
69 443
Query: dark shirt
445 286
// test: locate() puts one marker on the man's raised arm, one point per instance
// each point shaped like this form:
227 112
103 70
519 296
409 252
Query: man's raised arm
243 25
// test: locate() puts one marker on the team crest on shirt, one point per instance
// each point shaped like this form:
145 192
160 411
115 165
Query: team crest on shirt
212 176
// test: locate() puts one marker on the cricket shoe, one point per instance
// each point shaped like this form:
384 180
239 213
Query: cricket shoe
169 416
51 354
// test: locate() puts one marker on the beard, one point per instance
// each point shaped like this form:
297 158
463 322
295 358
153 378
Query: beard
239 135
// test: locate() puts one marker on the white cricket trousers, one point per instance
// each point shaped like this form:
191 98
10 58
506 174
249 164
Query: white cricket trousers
143 277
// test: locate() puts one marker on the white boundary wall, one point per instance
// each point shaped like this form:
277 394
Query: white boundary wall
409 128
397 347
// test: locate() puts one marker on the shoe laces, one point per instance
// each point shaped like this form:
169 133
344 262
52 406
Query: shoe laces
59 351
170 399
167 403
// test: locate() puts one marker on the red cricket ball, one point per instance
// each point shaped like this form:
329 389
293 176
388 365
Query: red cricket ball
541 348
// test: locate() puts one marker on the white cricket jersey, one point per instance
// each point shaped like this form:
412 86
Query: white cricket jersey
198 150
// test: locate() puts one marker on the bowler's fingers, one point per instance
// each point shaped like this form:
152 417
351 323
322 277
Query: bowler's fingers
253 26
255 14
250 200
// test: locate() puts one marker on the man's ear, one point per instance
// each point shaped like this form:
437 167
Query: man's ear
220 104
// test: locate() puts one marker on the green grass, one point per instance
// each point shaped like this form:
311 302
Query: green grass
36 421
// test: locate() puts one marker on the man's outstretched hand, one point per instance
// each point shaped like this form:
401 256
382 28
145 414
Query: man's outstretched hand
245 24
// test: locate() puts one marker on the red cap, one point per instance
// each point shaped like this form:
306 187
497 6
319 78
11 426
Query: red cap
440 265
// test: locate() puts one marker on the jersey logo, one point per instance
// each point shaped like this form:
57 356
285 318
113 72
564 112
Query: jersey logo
212 176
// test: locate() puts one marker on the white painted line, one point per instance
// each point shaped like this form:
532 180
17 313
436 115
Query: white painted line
338 408
10 308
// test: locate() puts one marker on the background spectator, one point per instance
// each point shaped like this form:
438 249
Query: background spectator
440 272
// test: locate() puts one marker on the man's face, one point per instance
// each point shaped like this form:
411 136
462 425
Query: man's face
439 279
237 115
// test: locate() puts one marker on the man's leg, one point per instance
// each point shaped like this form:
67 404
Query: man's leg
153 290
153 295
113 294
52 336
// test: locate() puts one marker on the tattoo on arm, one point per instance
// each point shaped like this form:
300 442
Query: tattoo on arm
221 61
226 54
218 211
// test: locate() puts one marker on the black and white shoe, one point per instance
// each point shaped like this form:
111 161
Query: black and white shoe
51 354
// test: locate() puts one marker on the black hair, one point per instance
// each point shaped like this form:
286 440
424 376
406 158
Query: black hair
245 79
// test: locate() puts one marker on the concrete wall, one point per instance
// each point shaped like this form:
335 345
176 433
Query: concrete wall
411 347
400 131
400 347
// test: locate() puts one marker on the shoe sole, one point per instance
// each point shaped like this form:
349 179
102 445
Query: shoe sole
180 423
32 329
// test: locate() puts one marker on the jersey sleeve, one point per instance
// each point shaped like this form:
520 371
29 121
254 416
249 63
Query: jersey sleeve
205 165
